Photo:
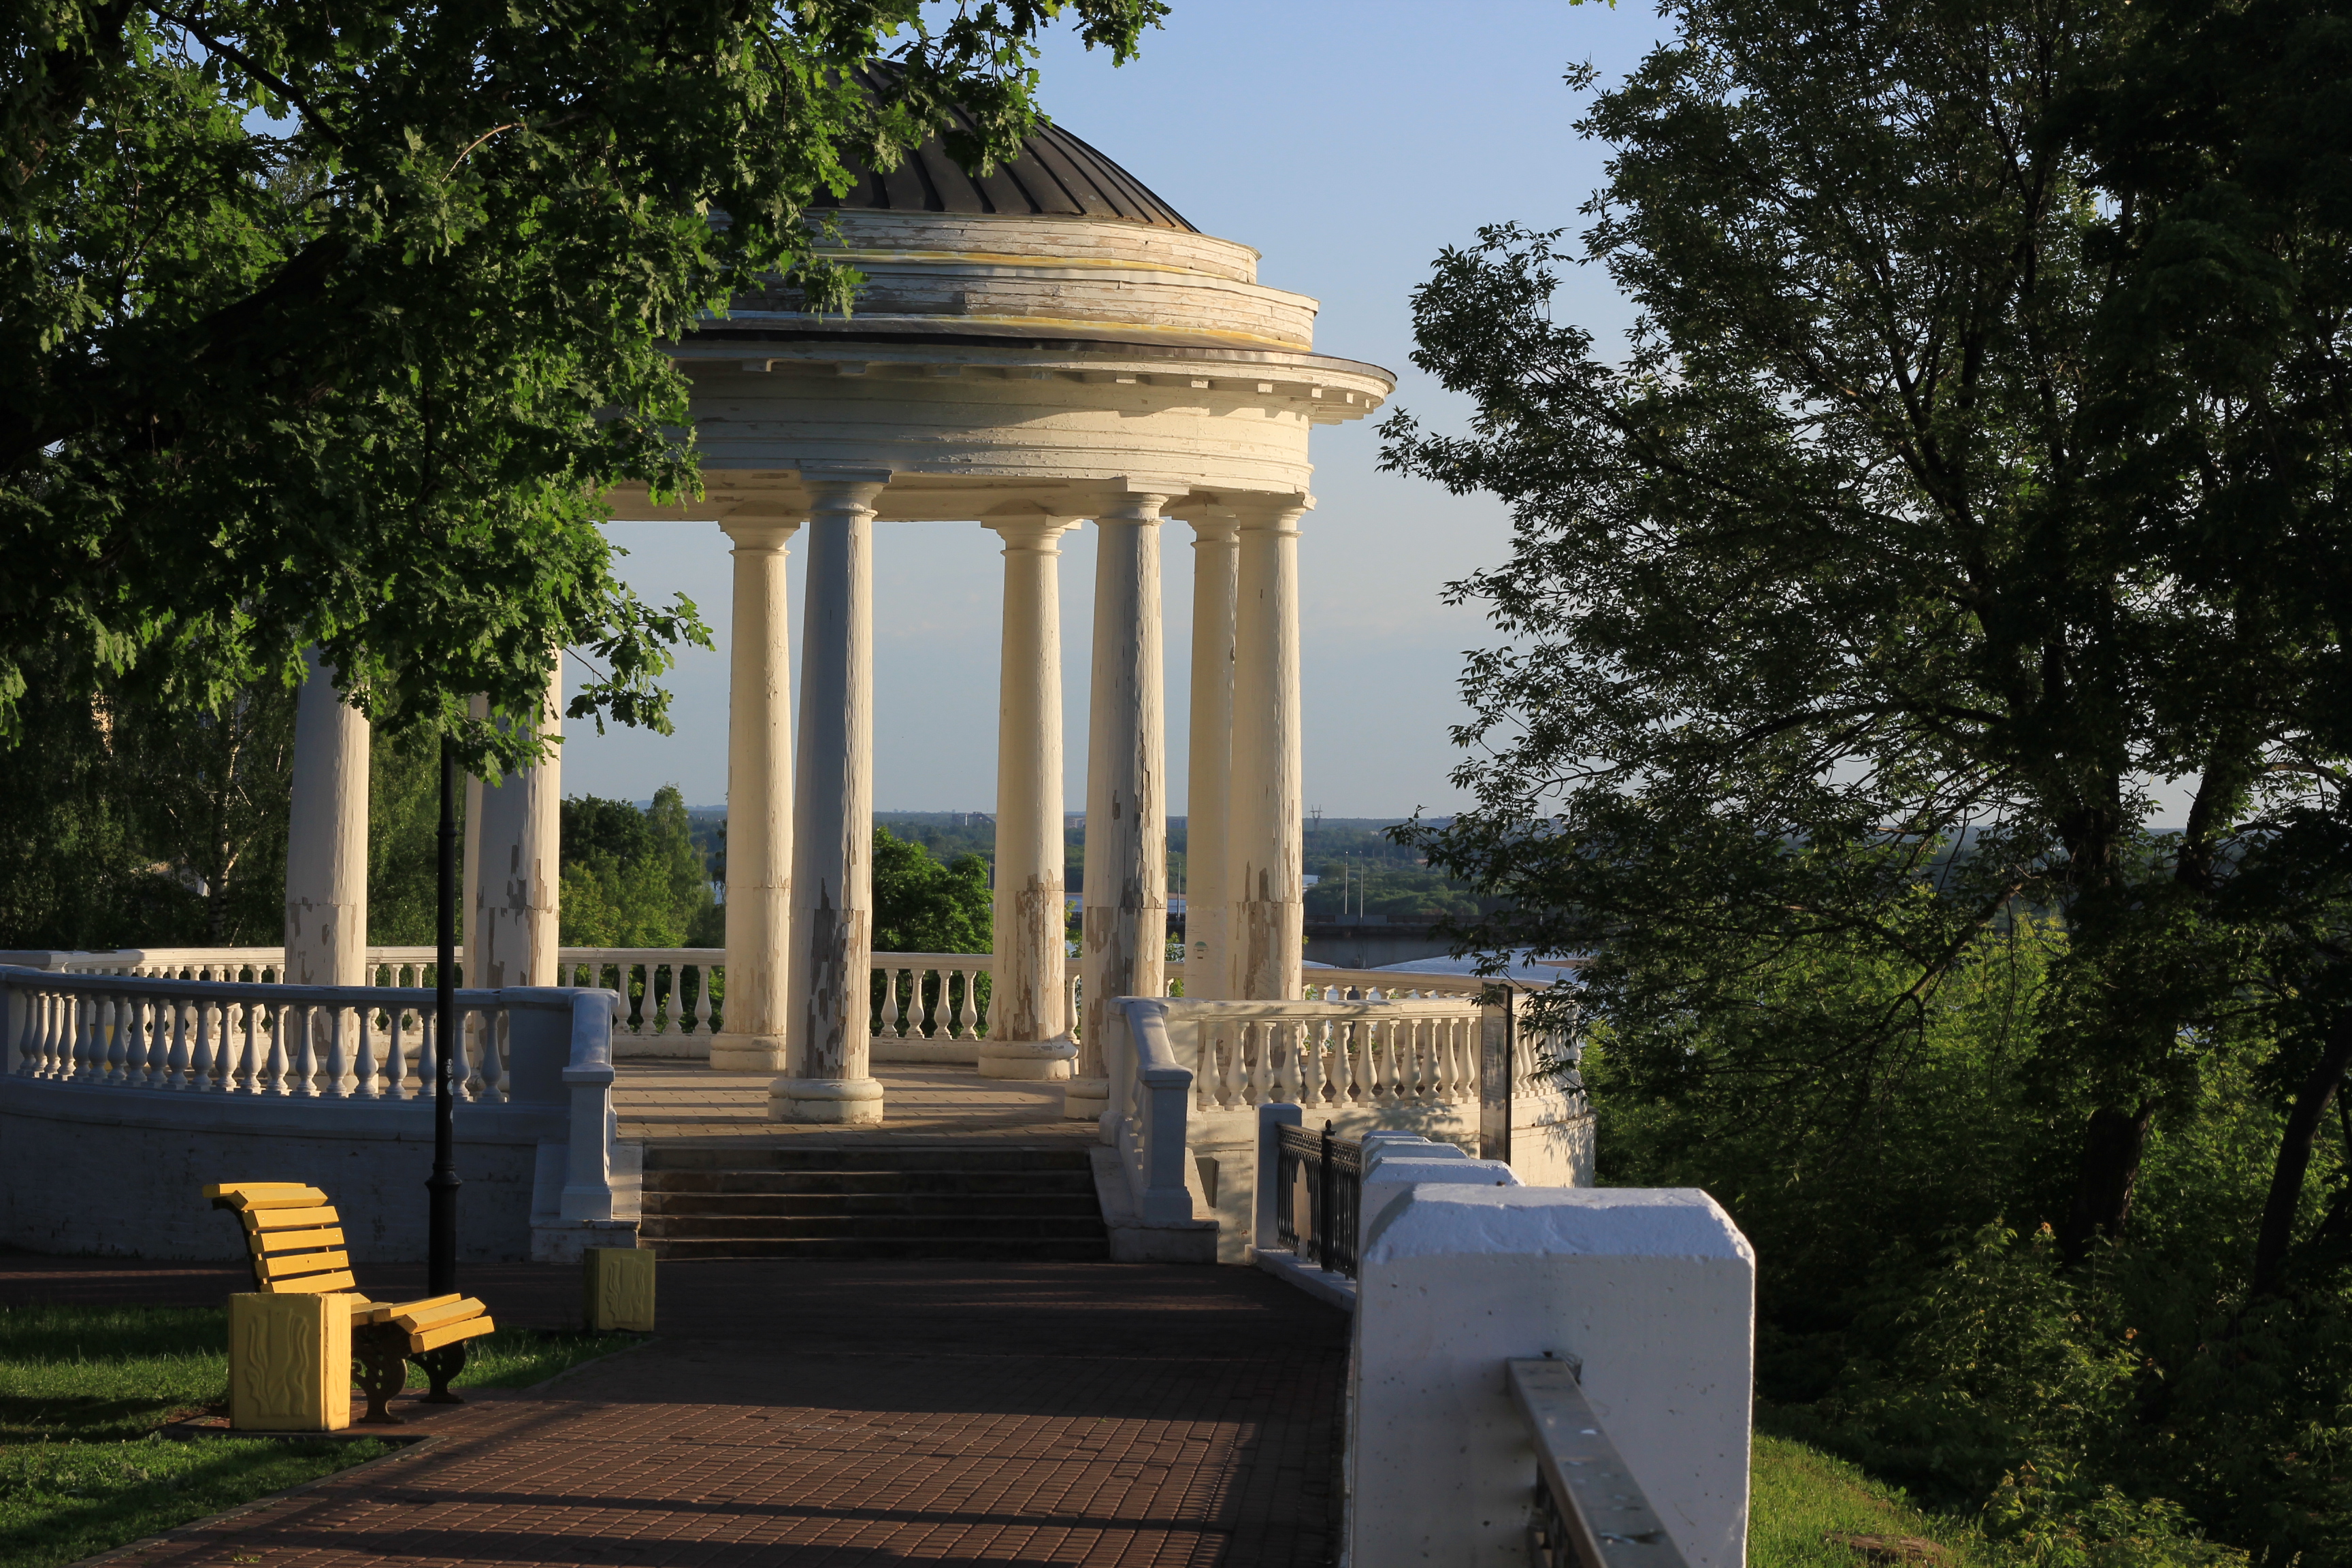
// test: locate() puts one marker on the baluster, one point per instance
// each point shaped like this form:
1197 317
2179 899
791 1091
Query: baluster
1215 1046
110 1046
90 1050
235 1068
1324 1071
58 1054
395 1066
200 1049
698 1017
967 1014
364 1083
462 1043
305 1077
1286 1038
498 1080
891 1024
147 1040
172 1044
133 1022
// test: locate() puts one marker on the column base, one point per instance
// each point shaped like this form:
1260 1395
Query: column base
1033 1060
1086 1098
747 1053
827 1101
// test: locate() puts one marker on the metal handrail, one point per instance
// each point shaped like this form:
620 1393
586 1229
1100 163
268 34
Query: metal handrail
1334 1171
1589 1510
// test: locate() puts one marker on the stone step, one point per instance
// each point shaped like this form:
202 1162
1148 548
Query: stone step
949 1248
880 1227
666 1156
715 1205
1078 1183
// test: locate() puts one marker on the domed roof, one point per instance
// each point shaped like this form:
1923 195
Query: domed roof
1056 176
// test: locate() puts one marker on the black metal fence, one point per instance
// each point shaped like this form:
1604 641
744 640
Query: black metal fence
1328 1174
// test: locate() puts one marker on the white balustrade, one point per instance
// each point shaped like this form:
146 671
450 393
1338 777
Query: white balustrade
1152 1095
251 1038
930 996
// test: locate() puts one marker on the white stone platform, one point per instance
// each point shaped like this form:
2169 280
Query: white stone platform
664 1100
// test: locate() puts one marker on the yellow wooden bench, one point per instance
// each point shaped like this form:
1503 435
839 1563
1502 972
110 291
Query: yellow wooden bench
295 1241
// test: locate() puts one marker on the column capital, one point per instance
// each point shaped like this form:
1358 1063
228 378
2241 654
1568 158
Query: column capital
761 533
1220 527
1034 532
1140 508
1272 514
844 490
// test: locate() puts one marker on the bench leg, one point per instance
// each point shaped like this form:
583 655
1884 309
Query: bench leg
380 1357
439 1366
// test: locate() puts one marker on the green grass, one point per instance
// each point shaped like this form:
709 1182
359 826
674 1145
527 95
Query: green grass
1802 1496
82 1390
66 1501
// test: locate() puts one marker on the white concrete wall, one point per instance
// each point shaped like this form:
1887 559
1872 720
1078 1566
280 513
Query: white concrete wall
1652 1290
120 1171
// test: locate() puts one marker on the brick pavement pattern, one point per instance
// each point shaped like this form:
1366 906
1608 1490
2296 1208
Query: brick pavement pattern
837 1413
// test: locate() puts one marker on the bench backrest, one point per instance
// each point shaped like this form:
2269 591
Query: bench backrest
292 1234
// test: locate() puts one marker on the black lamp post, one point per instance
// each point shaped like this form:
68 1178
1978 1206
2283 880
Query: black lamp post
441 1235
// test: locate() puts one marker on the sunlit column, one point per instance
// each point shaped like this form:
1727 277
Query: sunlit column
1264 855
1125 888
827 1030
327 837
510 932
1208 955
759 800
1028 1023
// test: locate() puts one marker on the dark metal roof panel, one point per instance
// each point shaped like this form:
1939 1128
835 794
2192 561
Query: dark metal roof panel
1056 176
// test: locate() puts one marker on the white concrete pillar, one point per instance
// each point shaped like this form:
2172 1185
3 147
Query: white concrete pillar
510 932
1208 953
1125 921
759 800
1265 858
327 837
1648 1294
829 979
1028 1027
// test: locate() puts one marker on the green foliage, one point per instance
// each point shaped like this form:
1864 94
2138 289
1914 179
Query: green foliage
922 906
336 330
635 878
1975 460
1801 1501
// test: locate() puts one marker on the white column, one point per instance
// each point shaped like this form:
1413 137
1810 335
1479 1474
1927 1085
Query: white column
1265 859
327 837
1028 1024
1208 953
759 800
510 932
1126 922
828 990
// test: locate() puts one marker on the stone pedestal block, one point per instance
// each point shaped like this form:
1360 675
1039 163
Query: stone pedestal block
619 1289
290 1362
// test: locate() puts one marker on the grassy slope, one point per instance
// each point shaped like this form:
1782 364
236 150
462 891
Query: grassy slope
1802 1495
83 1388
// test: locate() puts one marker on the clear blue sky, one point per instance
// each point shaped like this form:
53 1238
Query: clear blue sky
1349 143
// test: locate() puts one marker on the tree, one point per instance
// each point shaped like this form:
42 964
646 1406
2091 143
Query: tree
923 906
206 793
1975 465
634 879
335 328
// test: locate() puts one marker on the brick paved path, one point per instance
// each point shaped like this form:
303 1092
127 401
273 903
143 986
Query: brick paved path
801 1413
